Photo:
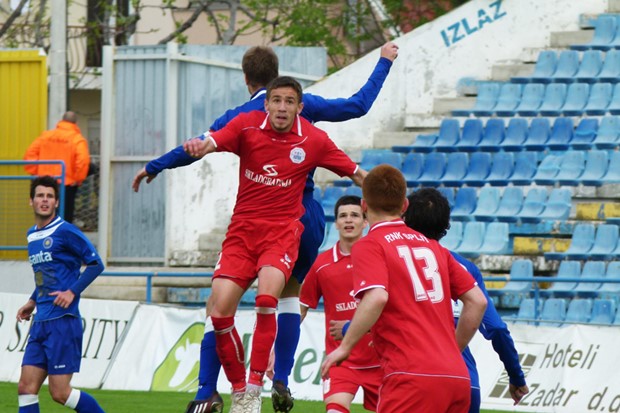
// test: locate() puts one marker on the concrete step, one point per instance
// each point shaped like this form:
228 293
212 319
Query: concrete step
613 6
385 140
504 72
501 264
566 39
445 106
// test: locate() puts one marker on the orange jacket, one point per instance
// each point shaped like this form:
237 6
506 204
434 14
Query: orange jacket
65 143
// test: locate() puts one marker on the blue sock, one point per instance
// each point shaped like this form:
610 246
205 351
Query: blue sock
31 408
289 330
28 403
209 367
87 404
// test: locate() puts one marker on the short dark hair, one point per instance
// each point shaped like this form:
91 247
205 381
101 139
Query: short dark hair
70 117
46 181
384 189
260 65
347 200
284 81
428 213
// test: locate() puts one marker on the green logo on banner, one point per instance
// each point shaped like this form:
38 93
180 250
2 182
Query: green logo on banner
179 370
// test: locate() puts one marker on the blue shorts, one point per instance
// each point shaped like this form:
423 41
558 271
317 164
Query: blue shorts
55 345
311 238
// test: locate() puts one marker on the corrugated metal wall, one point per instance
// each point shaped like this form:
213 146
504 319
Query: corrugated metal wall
208 81
23 116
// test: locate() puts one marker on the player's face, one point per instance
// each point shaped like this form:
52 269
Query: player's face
44 203
283 105
350 222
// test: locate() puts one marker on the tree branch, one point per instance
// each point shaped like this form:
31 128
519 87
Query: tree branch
187 24
16 13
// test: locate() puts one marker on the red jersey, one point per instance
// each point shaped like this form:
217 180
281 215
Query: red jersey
331 277
415 333
274 166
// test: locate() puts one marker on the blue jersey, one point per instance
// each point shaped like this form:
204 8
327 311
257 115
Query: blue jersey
56 253
492 328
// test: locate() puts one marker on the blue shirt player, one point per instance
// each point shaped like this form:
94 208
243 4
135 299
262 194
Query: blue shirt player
260 66
56 250
429 214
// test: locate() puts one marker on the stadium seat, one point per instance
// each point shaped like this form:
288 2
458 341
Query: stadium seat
317 194
331 237
496 239
538 134
525 168
331 194
610 72
561 134
464 204
568 269
590 66
433 170
558 205
413 164
604 33
603 311
544 69
613 170
423 143
516 133
449 135
597 163
515 291
572 167
547 170
568 63
608 133
614 103
533 205
591 270
576 99
555 96
470 135
611 290
485 101
473 237
599 99
508 99
501 169
493 135
527 312
448 193
617 319
578 311
553 312
456 168
581 243
510 204
605 242
584 134
453 238
353 190
488 202
531 99
374 157
478 169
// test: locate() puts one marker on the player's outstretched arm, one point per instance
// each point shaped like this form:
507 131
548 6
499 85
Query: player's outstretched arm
198 147
140 175
474 305
358 176
517 392
26 310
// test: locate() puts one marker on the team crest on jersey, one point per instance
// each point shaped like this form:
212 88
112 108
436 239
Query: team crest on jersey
47 243
298 155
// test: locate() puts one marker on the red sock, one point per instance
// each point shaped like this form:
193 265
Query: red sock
335 407
264 336
230 351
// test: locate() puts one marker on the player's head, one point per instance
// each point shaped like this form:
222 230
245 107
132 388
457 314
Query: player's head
70 117
260 66
283 103
428 213
44 196
349 217
384 191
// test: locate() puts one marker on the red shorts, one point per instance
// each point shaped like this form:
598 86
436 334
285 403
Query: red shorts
347 380
252 244
424 394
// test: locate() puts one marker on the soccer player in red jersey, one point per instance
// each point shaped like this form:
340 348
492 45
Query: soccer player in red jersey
406 282
331 277
277 150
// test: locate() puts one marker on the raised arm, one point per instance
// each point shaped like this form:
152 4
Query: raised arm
474 305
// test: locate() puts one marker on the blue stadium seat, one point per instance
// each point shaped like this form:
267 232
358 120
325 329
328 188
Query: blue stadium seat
496 239
548 169
465 203
555 96
527 312
610 72
453 238
488 202
331 237
617 319
567 66
525 168
374 157
424 143
508 99
478 169
449 135
599 99
544 69
317 194
510 204
516 133
501 169
412 167
597 163
604 33
581 243
515 291
561 134
605 242
614 103
590 66
572 167
608 133
584 134
473 237
576 99
568 269
448 193
611 290
456 168
434 168
538 134
485 100
533 205
553 312
591 270
531 99
493 135
603 311
558 205
578 311
331 194
353 190
613 170
470 135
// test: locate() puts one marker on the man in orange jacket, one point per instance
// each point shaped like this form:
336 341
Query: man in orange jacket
64 143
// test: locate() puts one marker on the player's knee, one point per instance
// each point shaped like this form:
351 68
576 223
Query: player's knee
266 304
336 408
60 395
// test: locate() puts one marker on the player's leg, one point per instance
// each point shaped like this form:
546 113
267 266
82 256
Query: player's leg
370 381
30 381
340 388
62 393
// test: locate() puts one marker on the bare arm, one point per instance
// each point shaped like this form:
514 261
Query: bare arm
25 311
358 176
474 304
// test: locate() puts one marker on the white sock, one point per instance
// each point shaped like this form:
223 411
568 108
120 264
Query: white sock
73 399
27 399
289 305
